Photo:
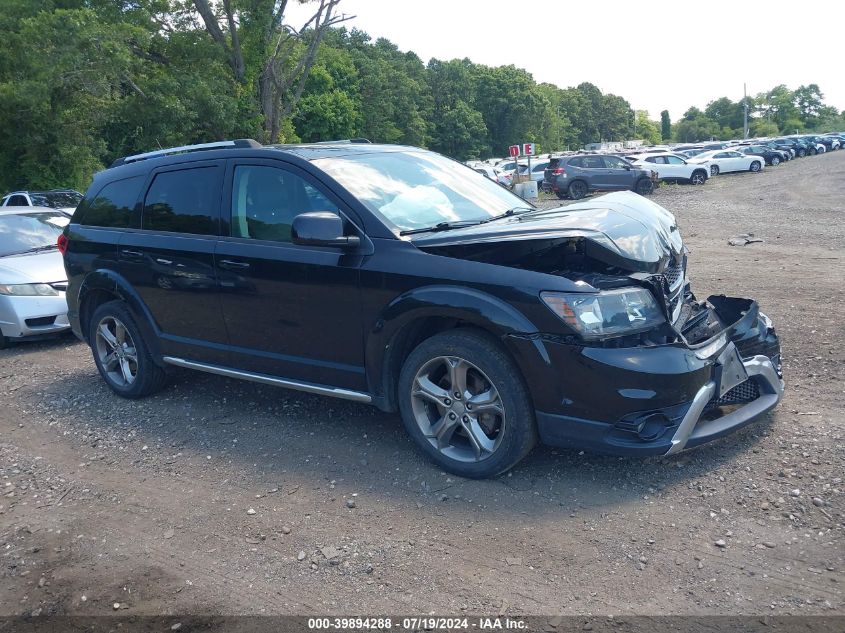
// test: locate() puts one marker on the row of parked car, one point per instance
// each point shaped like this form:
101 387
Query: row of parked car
574 175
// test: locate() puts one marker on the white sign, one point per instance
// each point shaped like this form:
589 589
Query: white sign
528 149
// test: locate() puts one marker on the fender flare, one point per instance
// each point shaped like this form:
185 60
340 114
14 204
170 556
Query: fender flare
458 303
117 285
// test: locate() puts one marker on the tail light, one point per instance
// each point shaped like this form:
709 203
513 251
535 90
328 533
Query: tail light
558 171
62 243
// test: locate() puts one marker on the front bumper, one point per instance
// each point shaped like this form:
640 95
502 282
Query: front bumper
661 399
25 317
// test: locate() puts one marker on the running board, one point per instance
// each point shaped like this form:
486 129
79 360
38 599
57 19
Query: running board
308 387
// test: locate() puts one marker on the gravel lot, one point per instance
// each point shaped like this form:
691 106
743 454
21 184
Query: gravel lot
228 497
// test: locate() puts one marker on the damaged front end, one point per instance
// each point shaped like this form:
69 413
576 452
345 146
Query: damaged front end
642 366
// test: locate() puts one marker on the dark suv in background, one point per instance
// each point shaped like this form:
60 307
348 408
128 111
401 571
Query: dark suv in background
395 276
576 176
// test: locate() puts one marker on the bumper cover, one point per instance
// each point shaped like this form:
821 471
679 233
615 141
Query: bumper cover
659 400
26 317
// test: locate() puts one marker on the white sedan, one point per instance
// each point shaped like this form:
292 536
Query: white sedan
725 160
672 167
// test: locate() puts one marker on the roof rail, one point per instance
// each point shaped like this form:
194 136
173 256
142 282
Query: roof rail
183 149
344 140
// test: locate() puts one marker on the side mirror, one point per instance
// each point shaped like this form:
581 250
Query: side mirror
321 228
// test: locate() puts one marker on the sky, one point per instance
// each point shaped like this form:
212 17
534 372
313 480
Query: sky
660 54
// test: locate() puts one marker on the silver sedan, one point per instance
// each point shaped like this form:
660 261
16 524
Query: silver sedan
32 274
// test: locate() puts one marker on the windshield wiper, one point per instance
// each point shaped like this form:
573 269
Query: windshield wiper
37 249
441 226
508 213
445 226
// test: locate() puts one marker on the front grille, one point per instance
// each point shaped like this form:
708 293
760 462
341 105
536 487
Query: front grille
673 273
744 392
41 321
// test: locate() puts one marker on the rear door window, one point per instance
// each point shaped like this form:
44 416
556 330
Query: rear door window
592 162
184 201
114 206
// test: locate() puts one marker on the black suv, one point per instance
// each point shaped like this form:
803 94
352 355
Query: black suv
576 176
395 276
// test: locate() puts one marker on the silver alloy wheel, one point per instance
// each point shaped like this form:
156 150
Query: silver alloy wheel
775 161
714 170
755 166
458 409
698 178
116 351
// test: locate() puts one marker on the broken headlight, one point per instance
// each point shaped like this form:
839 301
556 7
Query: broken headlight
608 313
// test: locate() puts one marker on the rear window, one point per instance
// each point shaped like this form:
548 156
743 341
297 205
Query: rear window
113 206
184 201
56 199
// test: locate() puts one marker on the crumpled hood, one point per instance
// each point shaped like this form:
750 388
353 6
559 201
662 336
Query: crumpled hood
631 231
44 267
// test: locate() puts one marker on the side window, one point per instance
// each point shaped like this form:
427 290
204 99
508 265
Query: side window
674 160
576 162
113 206
611 162
265 200
183 201
593 162
722 155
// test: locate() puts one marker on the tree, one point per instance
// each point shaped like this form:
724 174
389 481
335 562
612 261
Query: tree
665 126
647 129
265 53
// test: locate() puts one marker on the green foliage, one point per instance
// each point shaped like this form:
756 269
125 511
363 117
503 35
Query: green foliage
647 129
665 126
85 81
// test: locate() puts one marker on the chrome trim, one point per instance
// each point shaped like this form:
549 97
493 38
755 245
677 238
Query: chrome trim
308 387
759 366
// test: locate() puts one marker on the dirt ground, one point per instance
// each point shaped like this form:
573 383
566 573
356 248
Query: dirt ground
218 496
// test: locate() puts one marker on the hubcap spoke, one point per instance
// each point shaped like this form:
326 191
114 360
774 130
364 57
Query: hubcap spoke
458 375
443 430
110 360
126 370
131 354
486 402
106 335
431 392
481 444
120 332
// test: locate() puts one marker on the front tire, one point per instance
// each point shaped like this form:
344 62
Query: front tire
775 161
714 170
755 166
802 153
698 177
465 405
120 353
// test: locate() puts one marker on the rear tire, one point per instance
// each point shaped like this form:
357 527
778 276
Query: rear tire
644 187
120 353
775 161
577 190
561 195
801 153
755 166
699 177
461 438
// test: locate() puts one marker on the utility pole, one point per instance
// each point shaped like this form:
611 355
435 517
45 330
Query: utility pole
744 112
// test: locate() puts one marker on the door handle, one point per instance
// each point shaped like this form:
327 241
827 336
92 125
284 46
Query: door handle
130 254
233 265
